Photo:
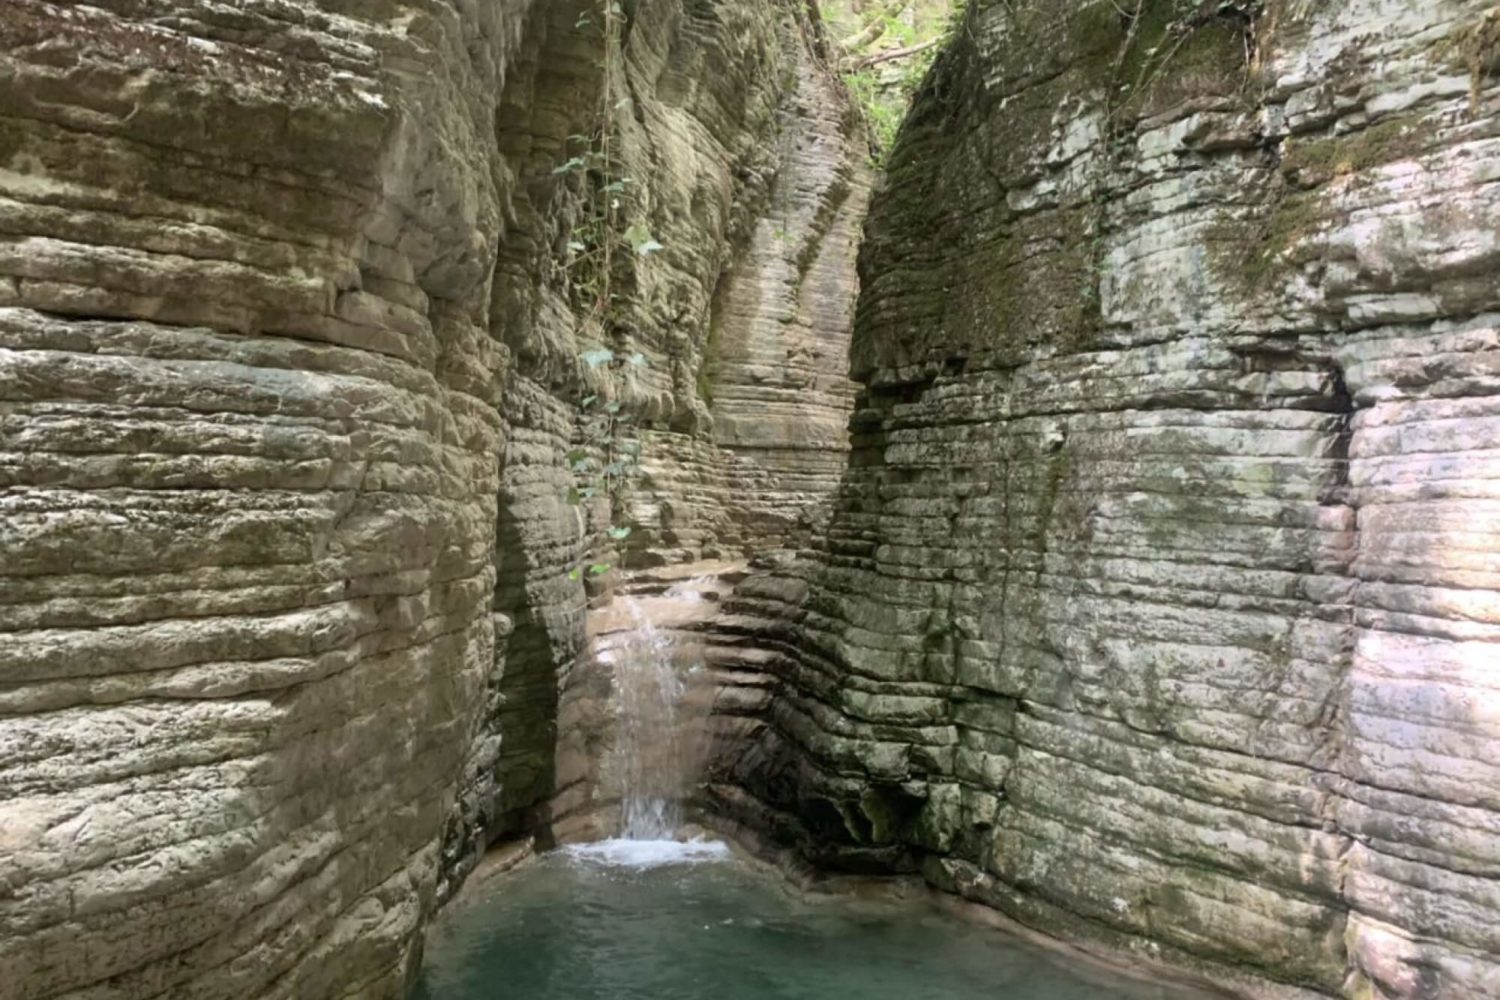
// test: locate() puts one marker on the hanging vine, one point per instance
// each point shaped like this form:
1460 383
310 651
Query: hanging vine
607 458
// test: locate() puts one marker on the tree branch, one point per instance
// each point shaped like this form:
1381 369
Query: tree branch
875 27
891 55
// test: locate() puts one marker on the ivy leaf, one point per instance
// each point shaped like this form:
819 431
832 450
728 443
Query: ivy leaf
577 247
575 496
599 569
589 401
576 163
574 574
638 359
611 408
619 534
641 240
595 358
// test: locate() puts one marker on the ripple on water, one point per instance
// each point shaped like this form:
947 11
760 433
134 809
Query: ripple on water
685 920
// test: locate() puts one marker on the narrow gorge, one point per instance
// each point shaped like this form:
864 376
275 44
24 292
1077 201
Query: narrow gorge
436 431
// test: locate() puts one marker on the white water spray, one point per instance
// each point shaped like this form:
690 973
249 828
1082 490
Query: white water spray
647 751
653 762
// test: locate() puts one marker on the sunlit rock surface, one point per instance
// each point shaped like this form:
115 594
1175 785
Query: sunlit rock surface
1161 605
289 369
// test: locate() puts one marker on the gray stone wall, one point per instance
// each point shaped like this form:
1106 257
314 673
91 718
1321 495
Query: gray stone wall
289 370
1159 606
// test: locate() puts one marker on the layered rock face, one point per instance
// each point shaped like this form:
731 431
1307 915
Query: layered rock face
745 395
1161 604
289 370
251 446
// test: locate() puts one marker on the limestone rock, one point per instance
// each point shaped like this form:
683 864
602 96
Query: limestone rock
289 371
1160 606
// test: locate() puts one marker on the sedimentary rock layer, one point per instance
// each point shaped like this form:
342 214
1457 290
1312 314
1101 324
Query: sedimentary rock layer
1161 603
251 442
289 371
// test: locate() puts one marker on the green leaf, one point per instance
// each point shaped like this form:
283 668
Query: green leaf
638 359
589 401
599 569
619 534
574 573
576 163
612 408
640 238
575 496
595 358
577 455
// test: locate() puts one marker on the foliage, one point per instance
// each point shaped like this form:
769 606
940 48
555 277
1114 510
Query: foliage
1150 54
1477 48
883 49
599 246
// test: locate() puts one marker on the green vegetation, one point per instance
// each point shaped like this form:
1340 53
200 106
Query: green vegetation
883 50
602 249
1476 47
1252 253
1319 160
1152 54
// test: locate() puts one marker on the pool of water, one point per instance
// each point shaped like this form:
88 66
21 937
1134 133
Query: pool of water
627 920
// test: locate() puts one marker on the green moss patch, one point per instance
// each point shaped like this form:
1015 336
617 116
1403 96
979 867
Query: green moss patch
1476 47
1251 253
1160 53
1320 160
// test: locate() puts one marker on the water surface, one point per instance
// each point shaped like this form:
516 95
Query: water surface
641 920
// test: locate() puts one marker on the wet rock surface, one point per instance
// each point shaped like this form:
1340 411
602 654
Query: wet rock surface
1159 605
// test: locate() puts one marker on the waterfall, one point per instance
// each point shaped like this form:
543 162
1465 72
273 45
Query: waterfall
648 752
657 751
654 758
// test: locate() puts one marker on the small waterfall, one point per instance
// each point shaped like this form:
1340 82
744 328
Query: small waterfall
648 753
653 759
657 721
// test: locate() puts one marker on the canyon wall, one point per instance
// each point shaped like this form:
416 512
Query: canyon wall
1160 607
290 339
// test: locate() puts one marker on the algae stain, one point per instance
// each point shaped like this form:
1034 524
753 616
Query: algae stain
1250 254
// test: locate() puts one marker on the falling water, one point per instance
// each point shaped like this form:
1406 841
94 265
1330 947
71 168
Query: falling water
653 758
647 753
